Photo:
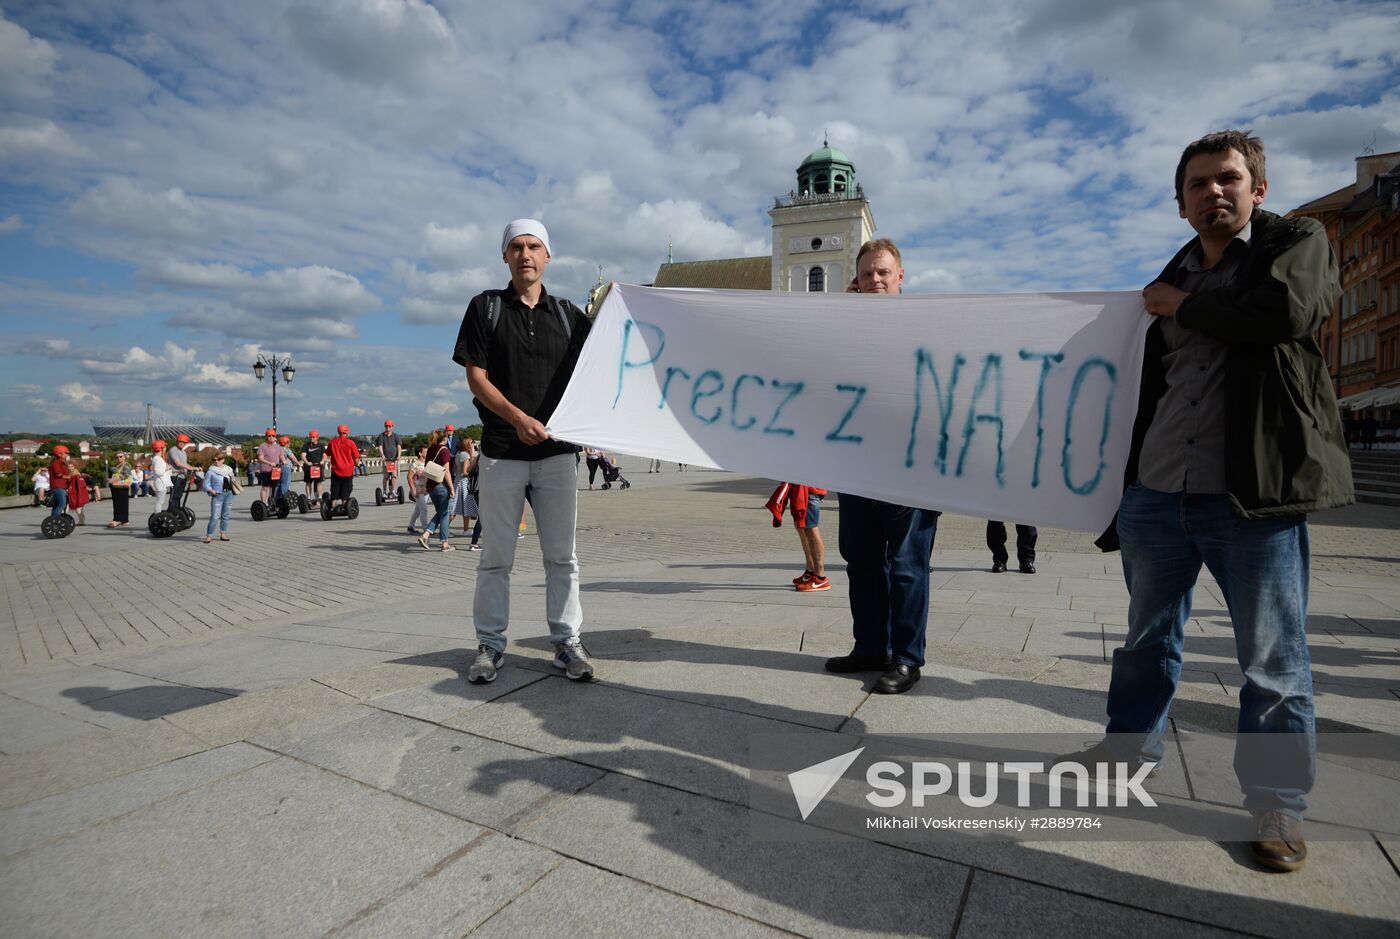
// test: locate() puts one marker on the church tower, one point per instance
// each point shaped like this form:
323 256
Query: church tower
819 226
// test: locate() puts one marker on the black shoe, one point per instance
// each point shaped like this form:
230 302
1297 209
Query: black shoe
1280 845
1027 568
998 567
897 680
845 664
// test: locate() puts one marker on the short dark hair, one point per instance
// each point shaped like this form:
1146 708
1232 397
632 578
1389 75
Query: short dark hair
879 244
1249 146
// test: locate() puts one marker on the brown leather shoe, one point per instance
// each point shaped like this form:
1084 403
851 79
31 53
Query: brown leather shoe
1279 845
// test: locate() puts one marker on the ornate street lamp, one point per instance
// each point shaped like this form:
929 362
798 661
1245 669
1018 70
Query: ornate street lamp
266 362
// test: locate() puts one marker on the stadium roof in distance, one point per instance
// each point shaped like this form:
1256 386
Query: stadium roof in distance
163 427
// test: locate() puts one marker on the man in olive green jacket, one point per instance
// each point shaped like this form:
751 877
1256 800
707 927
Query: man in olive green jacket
1237 436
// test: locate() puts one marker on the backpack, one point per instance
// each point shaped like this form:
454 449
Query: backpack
493 312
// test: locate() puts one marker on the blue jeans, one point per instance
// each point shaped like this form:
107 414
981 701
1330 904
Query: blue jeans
60 502
887 548
442 501
219 507
1262 567
553 487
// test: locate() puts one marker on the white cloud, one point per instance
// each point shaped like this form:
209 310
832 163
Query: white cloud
356 412
25 62
441 408
28 138
74 394
171 363
122 204
11 224
371 40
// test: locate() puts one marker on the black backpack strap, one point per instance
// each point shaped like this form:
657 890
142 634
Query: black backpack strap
561 310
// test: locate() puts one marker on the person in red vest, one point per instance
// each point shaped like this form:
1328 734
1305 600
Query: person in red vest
344 456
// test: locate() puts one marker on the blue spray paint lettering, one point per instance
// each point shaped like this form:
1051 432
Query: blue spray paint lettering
991 373
623 364
671 372
1112 372
696 393
734 402
1046 359
836 435
922 361
793 389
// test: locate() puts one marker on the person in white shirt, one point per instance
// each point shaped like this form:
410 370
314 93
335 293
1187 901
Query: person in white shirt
160 475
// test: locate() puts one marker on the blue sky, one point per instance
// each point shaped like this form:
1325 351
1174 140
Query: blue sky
183 185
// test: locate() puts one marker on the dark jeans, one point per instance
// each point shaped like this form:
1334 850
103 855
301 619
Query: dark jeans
1026 536
121 502
887 549
177 492
1262 567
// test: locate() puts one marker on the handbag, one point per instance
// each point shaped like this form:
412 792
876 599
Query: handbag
435 471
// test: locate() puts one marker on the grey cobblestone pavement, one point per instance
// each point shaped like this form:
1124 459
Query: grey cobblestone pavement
271 736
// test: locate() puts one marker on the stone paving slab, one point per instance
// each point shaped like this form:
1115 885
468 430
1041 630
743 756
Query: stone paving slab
26 727
281 849
493 784
604 905
691 845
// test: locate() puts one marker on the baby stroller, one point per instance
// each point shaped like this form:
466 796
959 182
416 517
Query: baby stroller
611 474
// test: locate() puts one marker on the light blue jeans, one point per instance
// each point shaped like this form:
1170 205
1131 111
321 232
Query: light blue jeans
219 507
553 488
1262 566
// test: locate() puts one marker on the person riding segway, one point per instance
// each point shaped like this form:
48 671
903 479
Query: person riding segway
312 458
344 456
389 447
59 523
173 516
270 470
289 467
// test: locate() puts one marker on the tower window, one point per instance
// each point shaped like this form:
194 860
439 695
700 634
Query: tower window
823 185
816 280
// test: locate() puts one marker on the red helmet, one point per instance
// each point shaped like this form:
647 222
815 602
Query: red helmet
450 428
158 445
342 429
284 439
270 432
182 438
388 423
314 434
60 450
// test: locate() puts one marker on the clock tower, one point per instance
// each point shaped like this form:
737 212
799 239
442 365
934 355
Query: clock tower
819 226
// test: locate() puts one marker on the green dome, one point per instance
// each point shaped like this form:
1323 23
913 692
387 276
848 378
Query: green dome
826 155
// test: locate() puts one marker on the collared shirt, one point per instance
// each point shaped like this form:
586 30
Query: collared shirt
529 358
1184 450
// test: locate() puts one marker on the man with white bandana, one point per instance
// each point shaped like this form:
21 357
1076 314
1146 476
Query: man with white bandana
519 347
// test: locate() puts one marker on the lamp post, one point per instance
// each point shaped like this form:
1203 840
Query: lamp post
266 362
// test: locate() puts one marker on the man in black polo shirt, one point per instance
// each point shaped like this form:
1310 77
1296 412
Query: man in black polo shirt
519 346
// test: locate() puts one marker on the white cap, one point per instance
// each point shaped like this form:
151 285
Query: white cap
526 226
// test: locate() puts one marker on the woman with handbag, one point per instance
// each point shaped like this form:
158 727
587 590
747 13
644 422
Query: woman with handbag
437 479
221 485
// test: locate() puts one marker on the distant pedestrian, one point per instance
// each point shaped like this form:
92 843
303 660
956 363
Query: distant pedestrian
439 490
419 494
120 481
463 501
60 474
1026 536
655 466
1369 426
41 484
590 456
160 474
804 503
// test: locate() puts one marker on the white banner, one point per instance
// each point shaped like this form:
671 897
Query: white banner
1012 407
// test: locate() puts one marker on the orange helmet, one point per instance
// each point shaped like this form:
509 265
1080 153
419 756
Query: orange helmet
182 438
450 428
157 444
388 423
270 432
60 450
284 439
314 434
342 429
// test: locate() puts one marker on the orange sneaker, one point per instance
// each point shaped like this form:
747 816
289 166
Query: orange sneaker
816 583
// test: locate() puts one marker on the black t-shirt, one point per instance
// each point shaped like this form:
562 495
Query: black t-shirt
314 453
529 358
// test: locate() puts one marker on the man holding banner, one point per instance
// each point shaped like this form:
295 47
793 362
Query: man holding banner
1237 436
519 346
886 547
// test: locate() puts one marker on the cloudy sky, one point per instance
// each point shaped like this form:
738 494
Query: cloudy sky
185 184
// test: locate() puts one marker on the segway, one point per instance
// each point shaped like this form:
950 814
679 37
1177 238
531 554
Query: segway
176 518
380 496
58 526
281 506
329 510
303 504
